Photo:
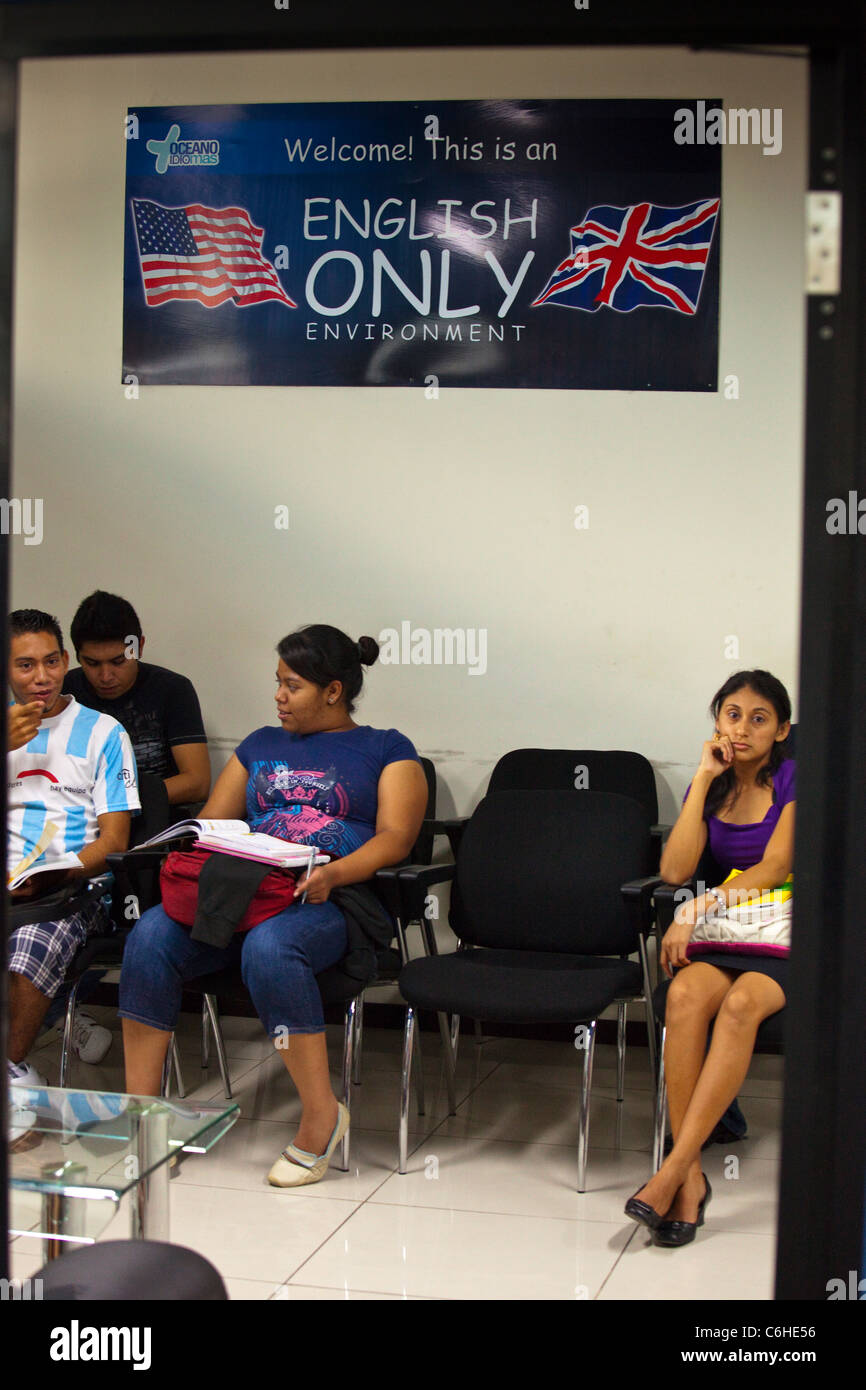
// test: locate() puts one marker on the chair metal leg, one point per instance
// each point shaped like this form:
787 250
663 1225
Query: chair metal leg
448 1060
419 1072
401 942
454 1032
585 1089
175 1053
205 1035
356 1044
348 1069
209 1005
405 1075
455 1021
648 1007
661 1100
621 1008
66 1045
172 1059
479 1032
165 1083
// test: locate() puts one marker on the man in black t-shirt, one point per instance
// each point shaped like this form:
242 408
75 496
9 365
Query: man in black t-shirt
158 708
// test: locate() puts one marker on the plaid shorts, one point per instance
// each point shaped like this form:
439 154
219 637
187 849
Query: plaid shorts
44 951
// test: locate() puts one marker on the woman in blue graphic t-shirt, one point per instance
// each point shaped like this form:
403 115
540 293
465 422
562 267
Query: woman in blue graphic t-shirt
741 802
357 794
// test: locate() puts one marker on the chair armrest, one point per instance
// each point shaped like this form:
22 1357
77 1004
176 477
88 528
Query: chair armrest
453 828
414 880
28 912
638 894
132 860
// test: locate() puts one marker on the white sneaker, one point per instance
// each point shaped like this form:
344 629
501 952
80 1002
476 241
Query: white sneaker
20 1121
90 1041
21 1133
21 1074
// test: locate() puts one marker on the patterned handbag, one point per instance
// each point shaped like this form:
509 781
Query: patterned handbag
761 927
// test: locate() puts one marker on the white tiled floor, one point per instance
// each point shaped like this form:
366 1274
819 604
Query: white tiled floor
488 1208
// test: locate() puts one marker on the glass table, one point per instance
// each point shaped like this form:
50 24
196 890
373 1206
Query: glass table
74 1154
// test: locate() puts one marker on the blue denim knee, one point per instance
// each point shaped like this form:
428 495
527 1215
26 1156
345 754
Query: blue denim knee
279 960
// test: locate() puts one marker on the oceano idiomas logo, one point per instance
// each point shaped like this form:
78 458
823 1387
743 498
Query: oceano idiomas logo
172 152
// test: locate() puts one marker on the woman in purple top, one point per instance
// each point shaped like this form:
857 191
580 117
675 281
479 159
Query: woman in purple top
741 800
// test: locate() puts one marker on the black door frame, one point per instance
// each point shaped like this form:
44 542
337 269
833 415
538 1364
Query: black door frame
821 1216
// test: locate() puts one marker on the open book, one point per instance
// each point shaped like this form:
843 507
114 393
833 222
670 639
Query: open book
235 837
28 867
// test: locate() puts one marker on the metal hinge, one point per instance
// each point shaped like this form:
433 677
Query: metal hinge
823 242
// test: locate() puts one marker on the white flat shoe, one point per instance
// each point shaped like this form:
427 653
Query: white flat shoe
296 1168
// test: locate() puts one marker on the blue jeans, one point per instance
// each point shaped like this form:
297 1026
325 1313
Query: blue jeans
279 961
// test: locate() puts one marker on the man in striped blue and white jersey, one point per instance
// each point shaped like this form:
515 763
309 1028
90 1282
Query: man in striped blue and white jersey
68 767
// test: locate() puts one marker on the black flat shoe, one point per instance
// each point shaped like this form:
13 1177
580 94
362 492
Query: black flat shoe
673 1233
643 1213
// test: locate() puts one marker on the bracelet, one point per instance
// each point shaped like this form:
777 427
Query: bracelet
719 899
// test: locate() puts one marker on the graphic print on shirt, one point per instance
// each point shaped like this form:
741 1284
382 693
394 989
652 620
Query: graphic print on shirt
152 753
304 805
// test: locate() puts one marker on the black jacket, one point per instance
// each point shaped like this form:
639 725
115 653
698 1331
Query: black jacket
227 887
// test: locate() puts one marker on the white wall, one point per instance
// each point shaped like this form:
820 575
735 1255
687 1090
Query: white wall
449 513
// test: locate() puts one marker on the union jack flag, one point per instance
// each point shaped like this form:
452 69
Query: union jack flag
639 257
208 254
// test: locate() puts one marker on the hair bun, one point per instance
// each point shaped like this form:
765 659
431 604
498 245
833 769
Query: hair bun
368 650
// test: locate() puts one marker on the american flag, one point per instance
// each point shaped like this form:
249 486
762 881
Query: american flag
209 254
643 256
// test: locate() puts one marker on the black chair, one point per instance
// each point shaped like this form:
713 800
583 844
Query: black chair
389 963
567 769
552 893
586 769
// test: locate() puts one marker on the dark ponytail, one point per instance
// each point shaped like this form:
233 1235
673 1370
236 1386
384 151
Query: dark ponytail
322 654
771 689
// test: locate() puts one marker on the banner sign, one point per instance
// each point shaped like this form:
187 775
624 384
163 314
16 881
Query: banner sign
554 244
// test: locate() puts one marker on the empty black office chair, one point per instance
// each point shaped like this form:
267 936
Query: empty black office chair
578 769
551 895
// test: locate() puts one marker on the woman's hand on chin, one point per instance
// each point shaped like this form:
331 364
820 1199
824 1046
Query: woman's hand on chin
319 884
